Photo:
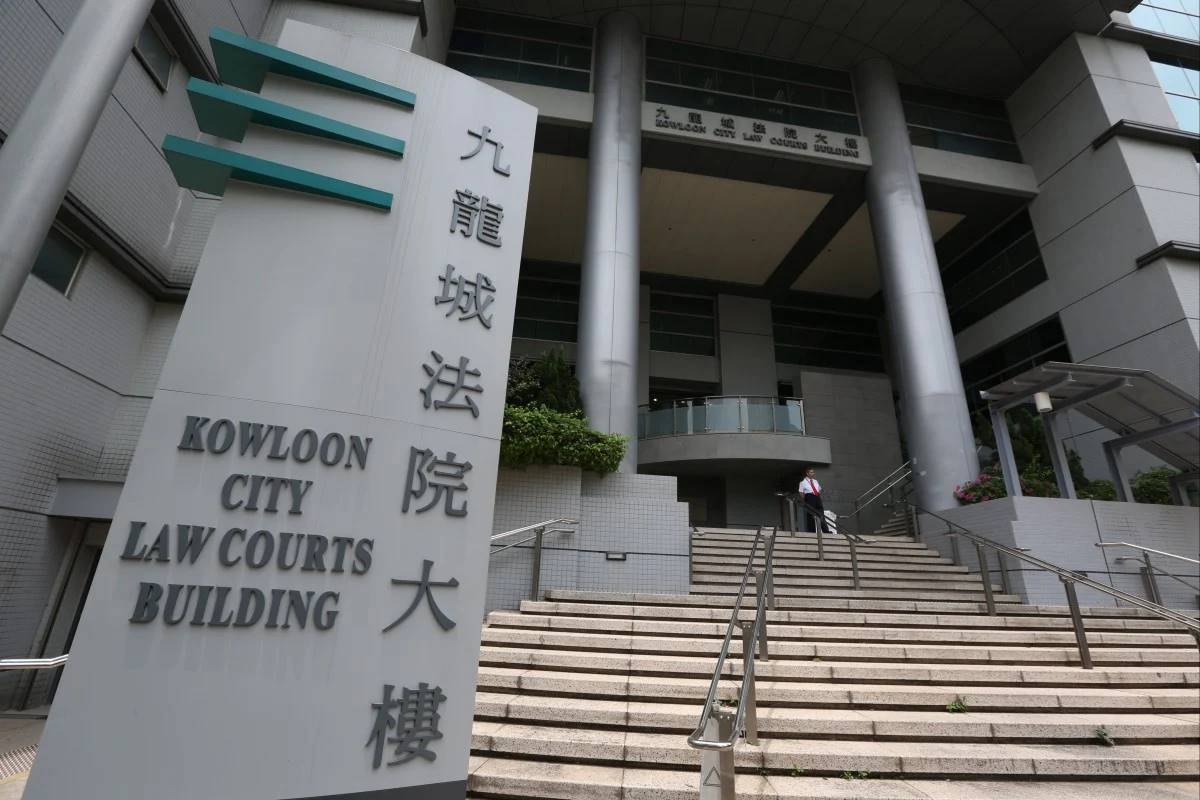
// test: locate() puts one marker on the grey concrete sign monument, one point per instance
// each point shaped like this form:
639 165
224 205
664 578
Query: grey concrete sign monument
289 601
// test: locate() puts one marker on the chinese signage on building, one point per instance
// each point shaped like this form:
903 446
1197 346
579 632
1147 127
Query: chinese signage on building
290 598
776 137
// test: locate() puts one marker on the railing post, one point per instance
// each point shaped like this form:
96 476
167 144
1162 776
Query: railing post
956 557
820 537
1085 655
716 766
985 572
854 563
751 714
1152 592
1005 584
535 581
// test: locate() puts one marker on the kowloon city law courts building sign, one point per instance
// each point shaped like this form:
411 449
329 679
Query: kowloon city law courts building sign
290 600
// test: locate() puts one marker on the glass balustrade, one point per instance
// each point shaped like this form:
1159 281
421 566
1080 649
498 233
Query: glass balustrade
725 414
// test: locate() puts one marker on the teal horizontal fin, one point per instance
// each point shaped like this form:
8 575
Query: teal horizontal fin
245 62
227 113
208 169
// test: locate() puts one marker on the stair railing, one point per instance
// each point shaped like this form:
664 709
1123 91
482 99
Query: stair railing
796 503
885 484
719 729
1068 578
1148 570
538 532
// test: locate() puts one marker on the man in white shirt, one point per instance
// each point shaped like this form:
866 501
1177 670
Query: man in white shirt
810 490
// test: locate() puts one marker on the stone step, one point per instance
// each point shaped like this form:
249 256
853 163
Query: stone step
788 590
884 759
746 539
961 653
824 694
513 777
600 661
800 723
831 547
831 633
916 584
894 567
939 614
648 601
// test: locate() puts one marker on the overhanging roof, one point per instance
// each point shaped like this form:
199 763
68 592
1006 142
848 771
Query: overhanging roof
1126 401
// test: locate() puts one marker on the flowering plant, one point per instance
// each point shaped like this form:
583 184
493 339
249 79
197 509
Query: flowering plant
988 486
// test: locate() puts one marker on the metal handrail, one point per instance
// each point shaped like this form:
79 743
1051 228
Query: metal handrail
1133 546
1068 577
709 404
539 530
764 597
894 479
706 397
33 663
1149 569
560 521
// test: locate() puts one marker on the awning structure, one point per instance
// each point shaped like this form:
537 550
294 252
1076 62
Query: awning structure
1140 407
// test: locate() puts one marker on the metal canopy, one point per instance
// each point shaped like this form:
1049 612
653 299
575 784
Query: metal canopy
1141 408
1126 401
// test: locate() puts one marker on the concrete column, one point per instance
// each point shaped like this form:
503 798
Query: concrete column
40 155
608 302
933 404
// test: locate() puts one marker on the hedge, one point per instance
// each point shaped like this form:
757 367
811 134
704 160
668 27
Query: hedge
540 435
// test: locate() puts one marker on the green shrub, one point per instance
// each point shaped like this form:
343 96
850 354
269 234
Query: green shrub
1153 486
546 381
541 435
1098 489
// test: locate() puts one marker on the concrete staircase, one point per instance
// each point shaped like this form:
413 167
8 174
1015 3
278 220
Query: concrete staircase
904 688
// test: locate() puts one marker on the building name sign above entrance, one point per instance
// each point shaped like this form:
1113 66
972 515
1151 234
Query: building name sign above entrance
754 134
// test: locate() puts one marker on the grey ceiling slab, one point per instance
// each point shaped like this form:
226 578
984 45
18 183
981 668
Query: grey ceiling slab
787 35
759 30
698 22
836 14
667 21
804 10
728 26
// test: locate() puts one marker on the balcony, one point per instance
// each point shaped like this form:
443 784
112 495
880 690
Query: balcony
707 433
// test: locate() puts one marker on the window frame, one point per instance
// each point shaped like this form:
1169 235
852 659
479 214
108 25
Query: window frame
76 269
144 60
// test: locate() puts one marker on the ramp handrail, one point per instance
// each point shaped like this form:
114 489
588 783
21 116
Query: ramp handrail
33 663
893 478
1068 578
1149 569
539 531
756 632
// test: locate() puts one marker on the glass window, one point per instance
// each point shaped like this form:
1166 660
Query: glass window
154 54
683 324
1036 345
523 49
1001 267
58 261
1181 83
547 302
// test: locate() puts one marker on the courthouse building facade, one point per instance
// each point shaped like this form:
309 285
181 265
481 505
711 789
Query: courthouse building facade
768 235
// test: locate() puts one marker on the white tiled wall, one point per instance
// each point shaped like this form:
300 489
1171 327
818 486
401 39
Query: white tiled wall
637 516
1065 533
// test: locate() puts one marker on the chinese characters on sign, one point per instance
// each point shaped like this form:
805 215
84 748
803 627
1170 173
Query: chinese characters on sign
437 377
410 723
758 134
425 590
471 298
443 475
472 215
